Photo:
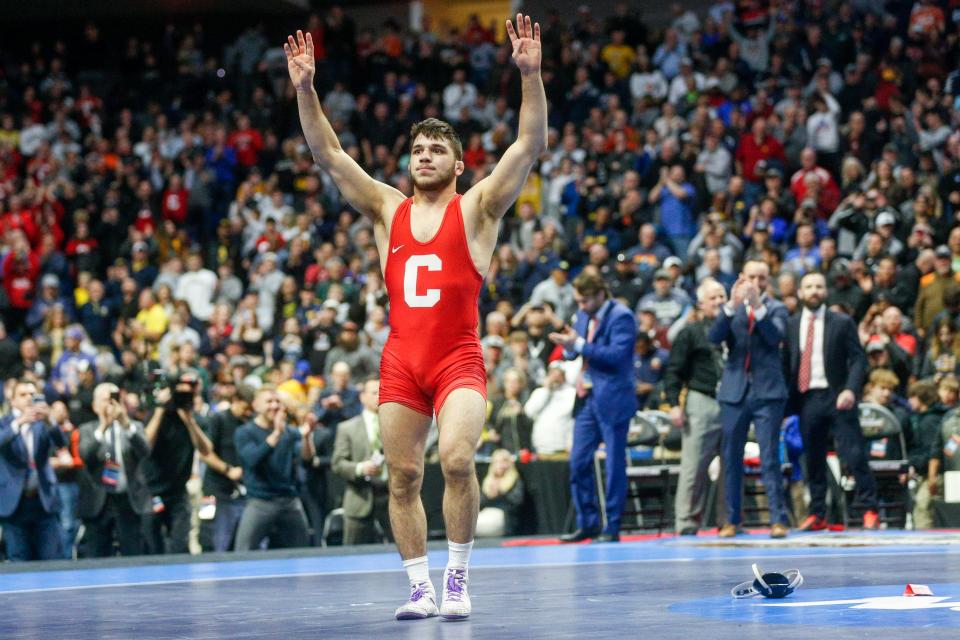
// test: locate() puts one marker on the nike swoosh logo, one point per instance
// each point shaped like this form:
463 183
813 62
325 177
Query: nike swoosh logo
395 249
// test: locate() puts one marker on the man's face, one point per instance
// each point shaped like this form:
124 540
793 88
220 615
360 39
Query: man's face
370 395
432 164
589 303
23 396
714 298
813 291
943 266
757 273
662 286
267 403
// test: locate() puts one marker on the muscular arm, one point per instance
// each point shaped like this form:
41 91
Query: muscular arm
365 194
496 193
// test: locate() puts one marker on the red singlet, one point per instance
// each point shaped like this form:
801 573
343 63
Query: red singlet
434 288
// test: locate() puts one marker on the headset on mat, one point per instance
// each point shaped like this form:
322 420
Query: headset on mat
769 585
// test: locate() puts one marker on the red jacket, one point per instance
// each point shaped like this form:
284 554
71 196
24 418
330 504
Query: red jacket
175 205
20 278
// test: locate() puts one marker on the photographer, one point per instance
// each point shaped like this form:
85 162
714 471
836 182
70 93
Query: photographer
173 434
113 496
29 502
223 476
268 449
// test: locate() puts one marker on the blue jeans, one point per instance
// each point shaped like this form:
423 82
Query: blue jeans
225 522
31 533
69 522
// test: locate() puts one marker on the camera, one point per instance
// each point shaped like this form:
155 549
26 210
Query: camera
39 398
181 398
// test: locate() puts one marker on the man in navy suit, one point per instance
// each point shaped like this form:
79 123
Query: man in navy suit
827 367
29 502
604 334
752 389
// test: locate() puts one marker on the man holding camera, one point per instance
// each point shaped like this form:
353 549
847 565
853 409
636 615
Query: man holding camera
173 434
223 476
29 502
268 449
113 497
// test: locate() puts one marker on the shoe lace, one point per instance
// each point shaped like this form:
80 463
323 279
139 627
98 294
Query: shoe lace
419 590
455 580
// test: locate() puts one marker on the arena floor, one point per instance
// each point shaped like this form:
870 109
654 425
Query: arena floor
665 588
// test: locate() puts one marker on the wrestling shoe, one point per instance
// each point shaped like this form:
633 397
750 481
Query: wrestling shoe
456 600
422 603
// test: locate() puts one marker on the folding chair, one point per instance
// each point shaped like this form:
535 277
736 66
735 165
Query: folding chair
886 450
651 485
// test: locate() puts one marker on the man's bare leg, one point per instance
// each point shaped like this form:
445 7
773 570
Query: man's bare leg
461 421
404 435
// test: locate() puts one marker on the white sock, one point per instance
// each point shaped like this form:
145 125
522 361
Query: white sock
459 556
418 570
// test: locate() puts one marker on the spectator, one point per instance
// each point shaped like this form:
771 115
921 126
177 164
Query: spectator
268 448
114 499
173 435
29 502
924 431
223 478
358 459
667 302
675 196
550 407
501 496
361 359
340 401
510 428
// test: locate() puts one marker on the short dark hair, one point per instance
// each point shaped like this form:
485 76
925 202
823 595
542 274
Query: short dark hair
925 391
589 284
437 130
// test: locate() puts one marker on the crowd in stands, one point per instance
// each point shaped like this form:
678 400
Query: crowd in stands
163 227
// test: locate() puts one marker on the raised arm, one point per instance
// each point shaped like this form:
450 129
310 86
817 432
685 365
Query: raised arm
498 191
364 194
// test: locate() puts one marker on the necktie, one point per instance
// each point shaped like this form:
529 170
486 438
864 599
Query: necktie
582 389
806 359
27 435
751 321
375 443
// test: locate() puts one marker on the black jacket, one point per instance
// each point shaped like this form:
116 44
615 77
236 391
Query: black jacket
844 359
694 362
135 450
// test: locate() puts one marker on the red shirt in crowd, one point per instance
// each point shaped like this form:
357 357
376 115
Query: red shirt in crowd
750 152
19 278
77 247
247 144
175 205
21 219
829 191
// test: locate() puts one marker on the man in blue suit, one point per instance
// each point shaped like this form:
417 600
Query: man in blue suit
29 502
752 389
604 334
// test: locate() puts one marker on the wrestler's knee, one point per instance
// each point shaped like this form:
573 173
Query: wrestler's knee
405 480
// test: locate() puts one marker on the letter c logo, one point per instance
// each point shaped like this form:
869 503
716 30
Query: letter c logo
430 262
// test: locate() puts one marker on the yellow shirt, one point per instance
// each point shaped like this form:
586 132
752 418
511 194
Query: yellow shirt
531 192
619 57
154 320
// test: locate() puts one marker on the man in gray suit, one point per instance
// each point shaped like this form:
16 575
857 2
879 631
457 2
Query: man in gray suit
113 496
358 458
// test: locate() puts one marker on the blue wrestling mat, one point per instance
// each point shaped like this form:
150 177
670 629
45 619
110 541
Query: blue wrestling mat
662 589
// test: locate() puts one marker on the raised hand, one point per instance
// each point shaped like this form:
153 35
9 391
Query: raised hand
526 44
300 62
